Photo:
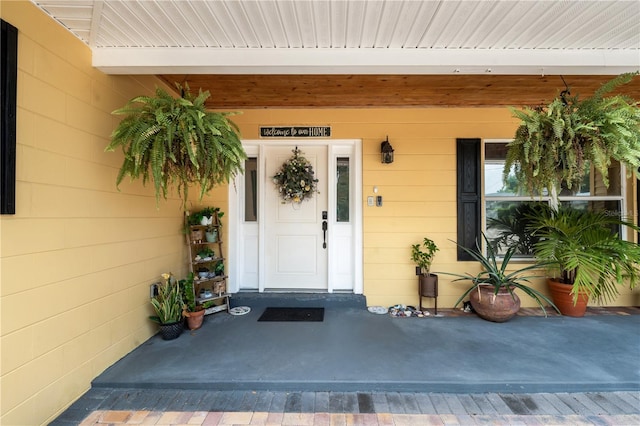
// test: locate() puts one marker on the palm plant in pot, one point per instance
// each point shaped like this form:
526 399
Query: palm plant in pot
427 282
492 294
176 141
589 260
168 305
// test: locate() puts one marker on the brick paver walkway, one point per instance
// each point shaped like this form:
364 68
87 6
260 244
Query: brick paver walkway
180 407
316 419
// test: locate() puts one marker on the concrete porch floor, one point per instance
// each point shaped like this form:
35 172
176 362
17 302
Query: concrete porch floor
355 362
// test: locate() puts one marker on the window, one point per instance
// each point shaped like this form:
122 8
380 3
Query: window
505 207
342 189
251 189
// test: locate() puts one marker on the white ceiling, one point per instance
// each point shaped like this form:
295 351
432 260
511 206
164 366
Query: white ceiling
355 36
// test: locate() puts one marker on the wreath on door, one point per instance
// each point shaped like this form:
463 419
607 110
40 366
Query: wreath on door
295 180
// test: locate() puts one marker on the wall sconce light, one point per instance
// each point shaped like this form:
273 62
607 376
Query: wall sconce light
387 152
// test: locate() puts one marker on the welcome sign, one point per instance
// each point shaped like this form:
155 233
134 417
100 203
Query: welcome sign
295 131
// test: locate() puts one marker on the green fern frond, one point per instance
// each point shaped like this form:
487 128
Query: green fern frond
558 143
176 142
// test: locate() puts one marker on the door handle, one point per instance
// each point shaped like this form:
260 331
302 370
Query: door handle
324 234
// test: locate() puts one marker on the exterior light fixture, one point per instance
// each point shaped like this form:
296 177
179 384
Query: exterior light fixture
387 152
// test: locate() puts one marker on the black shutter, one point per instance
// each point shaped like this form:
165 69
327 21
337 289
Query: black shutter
469 196
8 84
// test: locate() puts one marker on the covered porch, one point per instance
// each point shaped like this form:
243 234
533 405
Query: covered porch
79 255
361 363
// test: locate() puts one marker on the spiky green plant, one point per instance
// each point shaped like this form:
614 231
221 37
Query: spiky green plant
168 303
557 144
495 274
176 141
586 251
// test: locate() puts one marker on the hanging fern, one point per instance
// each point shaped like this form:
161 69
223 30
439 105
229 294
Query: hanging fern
177 142
557 144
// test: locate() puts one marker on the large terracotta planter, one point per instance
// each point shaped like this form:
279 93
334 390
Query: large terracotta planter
195 319
563 299
500 307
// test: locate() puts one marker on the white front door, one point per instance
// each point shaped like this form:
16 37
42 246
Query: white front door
275 246
295 243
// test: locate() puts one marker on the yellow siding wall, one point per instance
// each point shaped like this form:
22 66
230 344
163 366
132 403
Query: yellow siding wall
78 256
419 189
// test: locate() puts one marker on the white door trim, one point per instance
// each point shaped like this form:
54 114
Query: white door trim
255 148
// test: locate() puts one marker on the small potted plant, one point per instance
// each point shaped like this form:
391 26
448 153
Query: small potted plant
168 305
219 270
428 282
213 229
206 216
206 254
492 294
193 312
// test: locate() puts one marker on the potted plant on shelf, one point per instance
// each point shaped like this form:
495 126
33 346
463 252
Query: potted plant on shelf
168 306
213 229
589 259
492 294
555 146
191 310
205 254
427 282
176 141
219 269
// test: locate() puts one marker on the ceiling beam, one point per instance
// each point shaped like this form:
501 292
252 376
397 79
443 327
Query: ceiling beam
389 91
365 61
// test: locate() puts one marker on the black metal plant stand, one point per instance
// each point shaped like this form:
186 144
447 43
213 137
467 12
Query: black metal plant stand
428 287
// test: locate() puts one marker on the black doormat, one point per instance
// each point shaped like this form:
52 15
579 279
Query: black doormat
293 314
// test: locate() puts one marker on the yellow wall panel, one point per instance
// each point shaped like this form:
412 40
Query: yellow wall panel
41 98
14 359
29 379
57 72
84 116
76 245
26 52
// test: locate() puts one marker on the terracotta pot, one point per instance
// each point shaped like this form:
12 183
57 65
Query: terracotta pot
500 307
563 299
195 319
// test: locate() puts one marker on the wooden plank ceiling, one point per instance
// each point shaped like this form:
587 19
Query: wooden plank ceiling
371 91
